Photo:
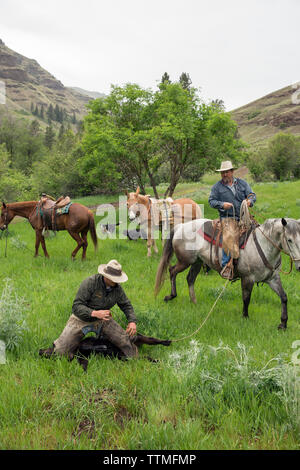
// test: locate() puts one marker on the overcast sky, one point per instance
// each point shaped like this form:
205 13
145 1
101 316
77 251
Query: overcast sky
234 50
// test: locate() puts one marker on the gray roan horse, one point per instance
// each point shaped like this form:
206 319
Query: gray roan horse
258 262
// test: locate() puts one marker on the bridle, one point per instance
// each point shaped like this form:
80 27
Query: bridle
138 212
290 254
5 214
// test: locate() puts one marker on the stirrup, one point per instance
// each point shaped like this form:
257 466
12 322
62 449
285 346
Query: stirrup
227 272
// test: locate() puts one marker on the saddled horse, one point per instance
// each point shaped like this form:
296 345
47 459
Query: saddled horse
259 261
143 209
78 221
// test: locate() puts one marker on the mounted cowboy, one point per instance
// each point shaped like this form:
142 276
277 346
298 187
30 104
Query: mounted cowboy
227 196
91 312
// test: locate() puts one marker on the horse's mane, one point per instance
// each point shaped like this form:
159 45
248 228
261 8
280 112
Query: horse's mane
15 205
269 225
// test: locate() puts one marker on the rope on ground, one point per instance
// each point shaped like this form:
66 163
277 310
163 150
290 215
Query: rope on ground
207 316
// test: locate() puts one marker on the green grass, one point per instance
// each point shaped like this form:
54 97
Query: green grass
217 390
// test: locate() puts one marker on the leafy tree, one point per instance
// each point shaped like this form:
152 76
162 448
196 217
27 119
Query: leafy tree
165 78
57 173
256 162
114 142
23 141
132 132
282 154
218 104
49 137
14 184
50 113
185 81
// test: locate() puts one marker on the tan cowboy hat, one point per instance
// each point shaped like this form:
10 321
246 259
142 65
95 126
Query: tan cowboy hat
225 166
113 271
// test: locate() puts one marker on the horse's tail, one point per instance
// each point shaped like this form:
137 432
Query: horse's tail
92 229
164 263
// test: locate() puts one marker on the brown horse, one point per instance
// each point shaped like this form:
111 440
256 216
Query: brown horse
78 221
142 208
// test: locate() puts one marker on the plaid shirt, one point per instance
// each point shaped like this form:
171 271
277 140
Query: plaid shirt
93 295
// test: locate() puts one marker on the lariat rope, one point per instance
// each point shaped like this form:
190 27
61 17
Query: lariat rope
207 316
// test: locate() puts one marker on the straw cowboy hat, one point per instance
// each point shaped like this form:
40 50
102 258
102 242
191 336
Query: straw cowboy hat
113 271
225 166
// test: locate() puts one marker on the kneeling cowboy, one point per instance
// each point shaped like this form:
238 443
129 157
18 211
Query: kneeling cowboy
91 308
227 196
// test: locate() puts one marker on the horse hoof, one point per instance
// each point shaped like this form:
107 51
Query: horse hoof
282 326
168 297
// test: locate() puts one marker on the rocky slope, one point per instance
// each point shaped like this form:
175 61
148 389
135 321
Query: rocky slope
276 112
28 85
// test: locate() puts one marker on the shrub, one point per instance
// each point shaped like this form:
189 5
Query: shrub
12 322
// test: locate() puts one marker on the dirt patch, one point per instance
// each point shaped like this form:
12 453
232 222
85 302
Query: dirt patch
105 396
87 427
122 415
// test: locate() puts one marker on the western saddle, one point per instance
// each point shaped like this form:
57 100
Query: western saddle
47 208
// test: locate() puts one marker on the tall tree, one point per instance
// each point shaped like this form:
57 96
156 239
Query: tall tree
49 137
185 81
165 78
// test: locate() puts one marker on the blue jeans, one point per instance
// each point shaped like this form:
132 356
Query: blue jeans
225 258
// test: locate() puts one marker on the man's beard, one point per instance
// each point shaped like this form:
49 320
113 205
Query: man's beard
227 179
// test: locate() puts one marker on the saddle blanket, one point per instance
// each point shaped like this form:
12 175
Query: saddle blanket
63 210
161 209
207 232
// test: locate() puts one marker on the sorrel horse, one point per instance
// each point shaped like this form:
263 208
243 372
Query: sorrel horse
143 209
78 221
259 261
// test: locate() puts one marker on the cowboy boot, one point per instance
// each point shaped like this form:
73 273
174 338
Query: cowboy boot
117 336
227 271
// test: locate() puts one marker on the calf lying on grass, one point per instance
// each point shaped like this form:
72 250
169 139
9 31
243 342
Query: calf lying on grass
101 345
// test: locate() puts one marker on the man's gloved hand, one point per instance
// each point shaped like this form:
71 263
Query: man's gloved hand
227 205
131 329
101 314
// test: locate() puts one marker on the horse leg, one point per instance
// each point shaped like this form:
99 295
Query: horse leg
276 286
191 278
43 243
40 239
140 339
247 287
79 241
174 270
154 246
150 240
85 244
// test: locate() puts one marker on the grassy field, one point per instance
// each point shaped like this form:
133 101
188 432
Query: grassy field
231 386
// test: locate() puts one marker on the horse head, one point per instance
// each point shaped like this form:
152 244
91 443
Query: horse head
137 205
291 240
5 217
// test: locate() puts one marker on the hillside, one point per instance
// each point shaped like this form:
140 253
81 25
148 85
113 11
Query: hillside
266 116
90 94
28 86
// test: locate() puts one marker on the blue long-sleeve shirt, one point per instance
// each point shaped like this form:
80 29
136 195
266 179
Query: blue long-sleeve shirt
221 193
